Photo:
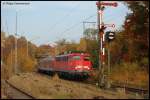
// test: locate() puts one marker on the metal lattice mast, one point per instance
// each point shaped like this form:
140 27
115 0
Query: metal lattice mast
15 67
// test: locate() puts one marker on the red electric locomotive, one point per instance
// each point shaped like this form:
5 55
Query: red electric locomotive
71 64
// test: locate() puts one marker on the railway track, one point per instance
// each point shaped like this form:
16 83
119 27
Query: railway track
128 89
16 93
114 86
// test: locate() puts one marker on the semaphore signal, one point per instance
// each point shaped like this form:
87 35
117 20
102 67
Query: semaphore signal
101 28
107 4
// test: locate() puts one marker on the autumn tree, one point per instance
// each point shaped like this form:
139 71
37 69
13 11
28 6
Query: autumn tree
9 45
82 45
63 46
89 43
90 33
24 62
136 28
71 46
43 50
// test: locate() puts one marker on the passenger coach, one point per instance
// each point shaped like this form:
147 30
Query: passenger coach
72 64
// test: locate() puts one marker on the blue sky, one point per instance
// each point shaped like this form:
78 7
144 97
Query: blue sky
45 21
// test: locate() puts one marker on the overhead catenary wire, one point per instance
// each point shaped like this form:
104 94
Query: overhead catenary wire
73 26
111 16
11 49
78 23
64 17
68 29
7 31
2 26
106 19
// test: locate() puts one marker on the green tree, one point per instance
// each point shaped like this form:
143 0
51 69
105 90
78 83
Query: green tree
43 50
25 63
60 46
90 44
137 29
90 33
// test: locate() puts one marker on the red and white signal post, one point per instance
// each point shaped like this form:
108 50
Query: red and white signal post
102 27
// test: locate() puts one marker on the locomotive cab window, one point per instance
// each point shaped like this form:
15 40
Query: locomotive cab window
86 58
76 58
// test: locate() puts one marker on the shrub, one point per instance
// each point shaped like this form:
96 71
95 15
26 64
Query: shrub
144 63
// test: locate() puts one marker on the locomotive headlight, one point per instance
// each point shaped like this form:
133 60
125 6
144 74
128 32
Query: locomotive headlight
86 67
78 67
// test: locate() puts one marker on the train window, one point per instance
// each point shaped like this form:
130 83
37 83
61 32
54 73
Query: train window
60 59
57 58
76 58
65 58
86 58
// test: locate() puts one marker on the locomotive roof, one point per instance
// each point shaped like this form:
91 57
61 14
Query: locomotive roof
73 54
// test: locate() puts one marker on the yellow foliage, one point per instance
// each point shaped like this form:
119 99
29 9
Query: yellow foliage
9 66
25 62
131 74
83 45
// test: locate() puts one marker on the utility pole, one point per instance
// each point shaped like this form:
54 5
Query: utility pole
101 28
15 67
84 22
83 27
101 42
11 49
108 73
98 22
109 37
27 49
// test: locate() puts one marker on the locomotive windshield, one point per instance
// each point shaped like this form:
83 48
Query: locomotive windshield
86 58
76 58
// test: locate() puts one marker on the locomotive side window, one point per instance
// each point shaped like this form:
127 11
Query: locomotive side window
60 58
86 58
57 59
65 58
76 58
